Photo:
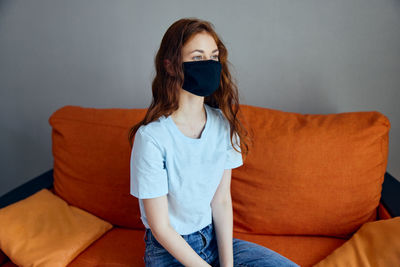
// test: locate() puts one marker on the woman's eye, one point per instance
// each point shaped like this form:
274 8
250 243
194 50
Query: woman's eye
199 57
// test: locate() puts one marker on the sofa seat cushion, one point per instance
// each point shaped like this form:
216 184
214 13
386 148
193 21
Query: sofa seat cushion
303 250
118 247
123 246
310 174
129 251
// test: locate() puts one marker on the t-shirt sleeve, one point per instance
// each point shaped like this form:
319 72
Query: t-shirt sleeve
233 158
148 175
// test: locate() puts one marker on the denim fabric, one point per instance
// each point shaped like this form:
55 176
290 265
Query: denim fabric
204 242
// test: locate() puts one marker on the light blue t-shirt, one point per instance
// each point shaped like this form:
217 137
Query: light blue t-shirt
165 161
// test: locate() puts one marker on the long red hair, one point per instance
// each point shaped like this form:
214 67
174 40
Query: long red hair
165 86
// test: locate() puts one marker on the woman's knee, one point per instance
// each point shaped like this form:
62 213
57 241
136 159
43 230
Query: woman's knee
247 253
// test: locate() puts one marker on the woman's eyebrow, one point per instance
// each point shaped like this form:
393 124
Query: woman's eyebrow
202 51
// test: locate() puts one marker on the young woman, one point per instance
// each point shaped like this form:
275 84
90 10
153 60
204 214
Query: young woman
183 153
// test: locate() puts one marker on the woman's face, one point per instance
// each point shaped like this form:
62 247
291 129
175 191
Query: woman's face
201 46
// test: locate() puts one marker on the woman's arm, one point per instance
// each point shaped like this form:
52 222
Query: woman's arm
223 219
156 210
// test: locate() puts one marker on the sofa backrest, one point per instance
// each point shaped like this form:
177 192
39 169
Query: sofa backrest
305 174
310 174
92 160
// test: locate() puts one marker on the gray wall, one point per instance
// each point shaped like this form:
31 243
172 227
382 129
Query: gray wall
305 56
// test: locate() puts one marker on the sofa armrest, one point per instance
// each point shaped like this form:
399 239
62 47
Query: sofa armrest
390 196
27 189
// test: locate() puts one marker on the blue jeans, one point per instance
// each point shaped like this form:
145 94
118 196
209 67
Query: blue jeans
204 242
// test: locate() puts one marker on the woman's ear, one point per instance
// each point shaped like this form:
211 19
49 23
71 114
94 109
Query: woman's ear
168 67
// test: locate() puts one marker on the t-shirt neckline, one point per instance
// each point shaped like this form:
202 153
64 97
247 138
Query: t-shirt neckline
187 138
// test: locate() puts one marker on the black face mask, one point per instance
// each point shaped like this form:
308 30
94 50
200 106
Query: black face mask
202 77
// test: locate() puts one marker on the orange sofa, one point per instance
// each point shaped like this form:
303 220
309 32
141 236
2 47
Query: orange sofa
309 183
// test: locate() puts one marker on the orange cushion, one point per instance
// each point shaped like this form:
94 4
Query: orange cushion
374 244
91 161
310 174
43 230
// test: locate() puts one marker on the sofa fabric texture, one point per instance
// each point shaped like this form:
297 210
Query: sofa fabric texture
309 183
310 174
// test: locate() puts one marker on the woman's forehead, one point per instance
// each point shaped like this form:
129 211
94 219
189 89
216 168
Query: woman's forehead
200 41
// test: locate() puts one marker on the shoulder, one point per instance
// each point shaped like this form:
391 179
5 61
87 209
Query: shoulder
154 130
